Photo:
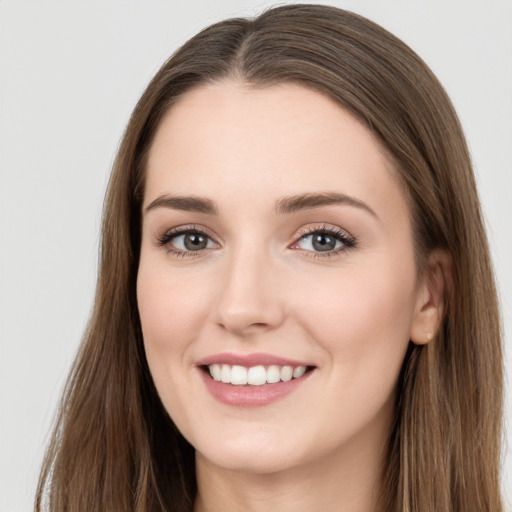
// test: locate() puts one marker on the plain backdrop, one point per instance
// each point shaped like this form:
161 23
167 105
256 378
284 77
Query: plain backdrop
71 72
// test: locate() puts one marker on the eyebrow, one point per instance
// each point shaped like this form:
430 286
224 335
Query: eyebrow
283 206
186 203
317 200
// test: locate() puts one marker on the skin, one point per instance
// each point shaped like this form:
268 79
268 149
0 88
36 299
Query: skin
260 286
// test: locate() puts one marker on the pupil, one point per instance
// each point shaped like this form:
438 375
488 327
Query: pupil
194 242
324 242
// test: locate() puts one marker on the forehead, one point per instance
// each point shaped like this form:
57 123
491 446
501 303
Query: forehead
260 142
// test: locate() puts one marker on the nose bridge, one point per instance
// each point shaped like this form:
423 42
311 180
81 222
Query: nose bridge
249 295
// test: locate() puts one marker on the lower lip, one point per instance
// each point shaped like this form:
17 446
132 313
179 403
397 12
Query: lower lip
251 396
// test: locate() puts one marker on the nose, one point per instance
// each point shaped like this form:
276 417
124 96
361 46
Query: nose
250 298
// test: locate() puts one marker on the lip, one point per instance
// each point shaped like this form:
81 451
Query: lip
250 396
249 360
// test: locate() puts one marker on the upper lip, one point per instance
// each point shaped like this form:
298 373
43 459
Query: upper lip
249 360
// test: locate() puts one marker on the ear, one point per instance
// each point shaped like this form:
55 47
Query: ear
434 287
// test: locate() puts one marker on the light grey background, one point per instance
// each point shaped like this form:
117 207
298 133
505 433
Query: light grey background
70 73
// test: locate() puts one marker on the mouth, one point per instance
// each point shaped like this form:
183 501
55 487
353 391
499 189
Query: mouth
252 380
258 375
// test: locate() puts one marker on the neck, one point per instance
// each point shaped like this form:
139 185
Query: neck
345 480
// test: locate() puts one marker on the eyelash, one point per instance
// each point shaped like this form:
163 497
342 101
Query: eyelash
166 238
347 241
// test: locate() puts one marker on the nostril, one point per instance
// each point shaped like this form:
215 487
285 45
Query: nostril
259 325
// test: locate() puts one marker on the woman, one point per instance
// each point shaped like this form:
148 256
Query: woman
295 304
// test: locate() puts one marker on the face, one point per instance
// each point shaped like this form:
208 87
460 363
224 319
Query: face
277 285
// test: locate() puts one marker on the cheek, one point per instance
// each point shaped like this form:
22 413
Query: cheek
171 309
363 327
363 319
169 306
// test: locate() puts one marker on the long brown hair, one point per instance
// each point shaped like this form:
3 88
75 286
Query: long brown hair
114 448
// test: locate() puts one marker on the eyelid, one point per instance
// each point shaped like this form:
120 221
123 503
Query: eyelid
164 239
348 241
322 227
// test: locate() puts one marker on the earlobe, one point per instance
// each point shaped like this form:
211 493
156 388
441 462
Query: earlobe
430 307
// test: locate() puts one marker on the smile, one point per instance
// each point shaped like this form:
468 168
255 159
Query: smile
252 380
254 375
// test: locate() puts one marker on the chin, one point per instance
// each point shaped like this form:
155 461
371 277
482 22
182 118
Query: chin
250 462
249 455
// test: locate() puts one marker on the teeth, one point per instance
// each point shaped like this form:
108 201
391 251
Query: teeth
299 372
273 374
255 375
215 371
239 375
286 373
225 374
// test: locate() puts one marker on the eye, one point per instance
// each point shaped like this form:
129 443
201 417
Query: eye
320 242
183 241
192 242
324 240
